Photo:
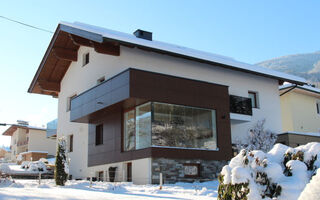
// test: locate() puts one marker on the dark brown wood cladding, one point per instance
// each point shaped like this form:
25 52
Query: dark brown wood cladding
148 86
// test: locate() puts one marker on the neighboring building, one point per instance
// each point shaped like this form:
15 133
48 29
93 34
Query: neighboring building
28 139
3 153
139 107
300 109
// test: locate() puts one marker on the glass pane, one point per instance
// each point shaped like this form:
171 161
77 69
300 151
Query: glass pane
252 96
181 126
129 131
143 126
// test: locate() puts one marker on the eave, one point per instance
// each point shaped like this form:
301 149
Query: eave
67 39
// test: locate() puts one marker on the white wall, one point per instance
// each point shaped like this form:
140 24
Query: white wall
78 79
141 171
38 141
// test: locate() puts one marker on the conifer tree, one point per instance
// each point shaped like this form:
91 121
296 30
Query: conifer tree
60 174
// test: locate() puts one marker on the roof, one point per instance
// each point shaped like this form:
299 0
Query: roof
72 35
302 87
301 133
14 127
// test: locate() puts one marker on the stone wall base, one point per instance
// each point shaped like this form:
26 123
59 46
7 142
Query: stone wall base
174 170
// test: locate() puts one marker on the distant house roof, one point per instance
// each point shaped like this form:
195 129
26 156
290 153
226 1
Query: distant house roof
68 37
14 127
308 88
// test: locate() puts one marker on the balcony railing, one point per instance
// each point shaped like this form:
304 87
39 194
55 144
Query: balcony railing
52 128
240 105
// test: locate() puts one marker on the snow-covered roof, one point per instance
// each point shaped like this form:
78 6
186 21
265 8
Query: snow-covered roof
23 153
13 128
100 34
301 133
303 87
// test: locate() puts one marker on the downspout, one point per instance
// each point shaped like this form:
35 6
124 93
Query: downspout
289 90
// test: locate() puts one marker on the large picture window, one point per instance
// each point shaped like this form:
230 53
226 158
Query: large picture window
168 125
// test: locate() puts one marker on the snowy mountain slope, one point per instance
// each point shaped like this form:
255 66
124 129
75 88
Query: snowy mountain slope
305 65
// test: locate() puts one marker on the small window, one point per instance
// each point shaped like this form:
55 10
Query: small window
100 176
69 102
254 99
86 58
100 80
71 143
318 107
99 134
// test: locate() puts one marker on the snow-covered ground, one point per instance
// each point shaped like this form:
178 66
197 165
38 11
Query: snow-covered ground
30 189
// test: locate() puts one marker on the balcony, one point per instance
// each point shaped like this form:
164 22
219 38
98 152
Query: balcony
52 129
240 109
22 143
133 87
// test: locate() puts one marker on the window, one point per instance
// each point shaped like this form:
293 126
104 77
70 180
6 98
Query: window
71 143
100 176
99 134
254 99
69 102
100 80
129 130
318 107
169 125
85 58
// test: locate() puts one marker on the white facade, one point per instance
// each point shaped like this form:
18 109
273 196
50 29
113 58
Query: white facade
80 78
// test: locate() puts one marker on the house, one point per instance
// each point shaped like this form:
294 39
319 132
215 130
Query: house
132 107
300 109
29 142
3 153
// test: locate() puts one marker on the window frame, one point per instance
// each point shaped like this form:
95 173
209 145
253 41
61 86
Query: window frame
85 58
97 143
69 99
123 129
256 100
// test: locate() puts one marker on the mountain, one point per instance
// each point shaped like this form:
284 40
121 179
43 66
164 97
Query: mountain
305 65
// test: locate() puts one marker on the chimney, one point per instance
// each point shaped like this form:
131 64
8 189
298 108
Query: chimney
143 34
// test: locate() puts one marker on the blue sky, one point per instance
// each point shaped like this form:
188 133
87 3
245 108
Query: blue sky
249 31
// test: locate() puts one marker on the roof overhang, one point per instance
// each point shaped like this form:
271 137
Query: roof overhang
304 89
62 50
68 37
13 128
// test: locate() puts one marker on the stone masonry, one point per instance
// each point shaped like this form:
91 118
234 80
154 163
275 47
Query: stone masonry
173 170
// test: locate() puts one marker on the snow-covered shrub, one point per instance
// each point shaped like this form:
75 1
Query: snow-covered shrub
282 173
37 166
259 138
4 168
60 174
312 191
25 164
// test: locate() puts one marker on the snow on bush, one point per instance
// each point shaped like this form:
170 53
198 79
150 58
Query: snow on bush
312 190
4 168
282 173
37 166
